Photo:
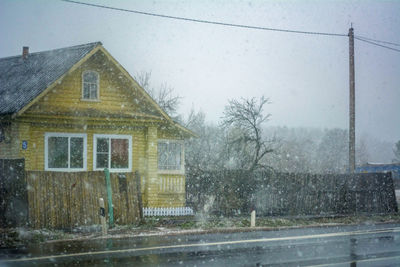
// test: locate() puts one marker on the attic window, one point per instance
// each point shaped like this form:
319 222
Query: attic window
90 85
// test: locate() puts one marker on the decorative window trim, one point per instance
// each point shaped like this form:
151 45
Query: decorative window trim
69 135
112 136
98 87
182 169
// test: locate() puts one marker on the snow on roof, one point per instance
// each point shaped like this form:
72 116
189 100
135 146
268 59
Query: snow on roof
23 79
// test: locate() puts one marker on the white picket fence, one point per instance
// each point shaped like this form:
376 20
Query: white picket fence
179 211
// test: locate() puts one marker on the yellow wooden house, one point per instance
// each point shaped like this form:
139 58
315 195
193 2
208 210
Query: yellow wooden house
76 109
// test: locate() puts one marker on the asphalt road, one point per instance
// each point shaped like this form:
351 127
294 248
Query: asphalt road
364 245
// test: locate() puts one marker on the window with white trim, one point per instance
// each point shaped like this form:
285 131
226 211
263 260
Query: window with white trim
65 152
170 155
90 85
113 152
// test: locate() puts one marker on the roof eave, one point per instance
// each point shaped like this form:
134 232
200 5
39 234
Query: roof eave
185 130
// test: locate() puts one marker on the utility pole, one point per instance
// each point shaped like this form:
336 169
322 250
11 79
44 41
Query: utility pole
352 118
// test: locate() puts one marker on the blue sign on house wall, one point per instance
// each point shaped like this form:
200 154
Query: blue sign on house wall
24 145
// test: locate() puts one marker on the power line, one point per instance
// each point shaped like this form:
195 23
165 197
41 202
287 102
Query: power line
378 41
360 38
373 43
207 21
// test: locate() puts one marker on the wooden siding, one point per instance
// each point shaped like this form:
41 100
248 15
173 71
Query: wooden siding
151 186
171 190
171 183
67 200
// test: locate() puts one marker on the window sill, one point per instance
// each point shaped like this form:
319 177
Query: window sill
90 100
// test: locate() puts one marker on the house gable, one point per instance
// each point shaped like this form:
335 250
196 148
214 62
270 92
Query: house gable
119 97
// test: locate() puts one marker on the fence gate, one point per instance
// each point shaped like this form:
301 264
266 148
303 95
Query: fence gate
13 194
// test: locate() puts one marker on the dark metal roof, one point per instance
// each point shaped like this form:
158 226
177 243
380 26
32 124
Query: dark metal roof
22 80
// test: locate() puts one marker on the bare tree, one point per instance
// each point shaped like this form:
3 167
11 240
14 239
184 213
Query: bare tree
244 120
332 152
167 100
362 153
205 152
143 79
164 95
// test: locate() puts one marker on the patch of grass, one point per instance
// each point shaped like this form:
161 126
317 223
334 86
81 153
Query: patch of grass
273 222
14 237
243 223
39 236
150 223
188 225
9 238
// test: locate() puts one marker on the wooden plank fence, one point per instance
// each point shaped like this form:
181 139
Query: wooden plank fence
270 193
303 194
64 200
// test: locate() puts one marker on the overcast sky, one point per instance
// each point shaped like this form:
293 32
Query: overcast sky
305 76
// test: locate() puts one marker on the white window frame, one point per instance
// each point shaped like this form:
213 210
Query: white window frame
69 135
182 169
97 99
112 136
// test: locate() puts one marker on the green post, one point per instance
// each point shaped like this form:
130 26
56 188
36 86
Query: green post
109 198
